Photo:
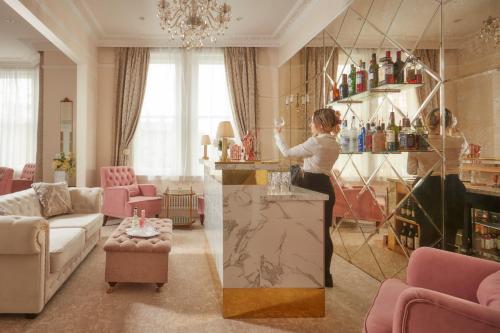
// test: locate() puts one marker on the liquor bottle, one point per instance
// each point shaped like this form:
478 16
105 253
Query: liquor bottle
418 72
392 133
416 240
344 137
368 138
344 87
399 69
388 68
373 73
378 144
336 92
361 78
421 136
402 209
361 138
135 221
403 134
352 81
353 141
403 235
410 238
408 209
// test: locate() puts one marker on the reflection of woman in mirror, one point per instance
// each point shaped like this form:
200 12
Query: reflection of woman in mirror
429 192
320 153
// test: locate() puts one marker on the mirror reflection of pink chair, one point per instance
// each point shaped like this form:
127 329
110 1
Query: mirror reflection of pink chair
25 179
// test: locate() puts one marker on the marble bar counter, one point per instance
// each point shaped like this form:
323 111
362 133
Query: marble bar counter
268 248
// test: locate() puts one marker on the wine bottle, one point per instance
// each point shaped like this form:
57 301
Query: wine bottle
399 69
344 87
403 235
373 72
352 81
392 133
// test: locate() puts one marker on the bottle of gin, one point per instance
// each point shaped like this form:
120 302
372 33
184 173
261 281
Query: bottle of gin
352 81
373 73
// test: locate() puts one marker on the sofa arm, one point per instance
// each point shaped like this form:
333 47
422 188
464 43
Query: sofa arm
115 200
447 272
22 234
148 190
422 311
86 200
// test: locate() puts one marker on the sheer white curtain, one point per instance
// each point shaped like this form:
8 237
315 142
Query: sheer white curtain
186 97
406 101
18 116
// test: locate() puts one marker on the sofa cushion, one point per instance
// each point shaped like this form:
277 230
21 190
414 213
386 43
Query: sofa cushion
64 245
91 223
488 292
133 190
380 316
54 198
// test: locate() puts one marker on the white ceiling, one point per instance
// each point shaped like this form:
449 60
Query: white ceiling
133 22
16 38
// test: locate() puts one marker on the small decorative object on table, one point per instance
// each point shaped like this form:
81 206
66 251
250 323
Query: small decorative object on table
249 146
235 152
63 165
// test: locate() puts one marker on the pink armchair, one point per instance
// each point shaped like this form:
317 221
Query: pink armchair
440 295
122 194
27 175
6 180
364 208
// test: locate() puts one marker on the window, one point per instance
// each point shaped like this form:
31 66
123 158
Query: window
18 116
186 96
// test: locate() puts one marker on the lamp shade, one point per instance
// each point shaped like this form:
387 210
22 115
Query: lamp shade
205 140
225 130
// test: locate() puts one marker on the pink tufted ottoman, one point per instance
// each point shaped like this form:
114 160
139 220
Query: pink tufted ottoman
134 259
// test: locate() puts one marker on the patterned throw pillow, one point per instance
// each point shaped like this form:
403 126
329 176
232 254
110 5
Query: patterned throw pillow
54 198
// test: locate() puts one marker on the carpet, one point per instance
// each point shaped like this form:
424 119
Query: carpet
188 303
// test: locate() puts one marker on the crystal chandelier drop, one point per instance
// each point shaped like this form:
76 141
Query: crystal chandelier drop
490 31
193 21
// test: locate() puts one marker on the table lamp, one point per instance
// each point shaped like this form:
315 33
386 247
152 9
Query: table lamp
224 131
205 140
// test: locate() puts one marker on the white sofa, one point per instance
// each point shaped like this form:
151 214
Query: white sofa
36 254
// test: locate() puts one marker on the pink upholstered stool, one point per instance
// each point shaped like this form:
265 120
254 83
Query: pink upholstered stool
134 259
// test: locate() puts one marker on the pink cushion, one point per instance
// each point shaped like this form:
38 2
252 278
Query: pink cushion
133 190
379 318
488 292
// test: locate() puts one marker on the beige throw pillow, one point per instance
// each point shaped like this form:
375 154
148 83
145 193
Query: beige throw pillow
54 198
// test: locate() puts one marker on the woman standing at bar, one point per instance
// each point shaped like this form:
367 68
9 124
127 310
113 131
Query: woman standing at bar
320 152
428 193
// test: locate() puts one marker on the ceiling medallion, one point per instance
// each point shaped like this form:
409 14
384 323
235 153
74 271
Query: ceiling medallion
194 21
490 31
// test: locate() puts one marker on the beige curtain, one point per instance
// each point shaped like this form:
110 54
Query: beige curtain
430 57
242 82
39 131
132 69
315 60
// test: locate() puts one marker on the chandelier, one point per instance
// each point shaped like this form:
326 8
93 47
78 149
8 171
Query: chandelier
490 31
193 21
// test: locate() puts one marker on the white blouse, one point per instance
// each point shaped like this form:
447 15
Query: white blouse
319 152
419 163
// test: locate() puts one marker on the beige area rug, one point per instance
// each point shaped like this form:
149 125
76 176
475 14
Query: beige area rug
188 303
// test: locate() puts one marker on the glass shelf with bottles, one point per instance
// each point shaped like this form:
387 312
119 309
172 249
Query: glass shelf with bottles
381 140
361 85
486 235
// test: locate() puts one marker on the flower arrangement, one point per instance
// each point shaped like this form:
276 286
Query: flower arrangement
64 162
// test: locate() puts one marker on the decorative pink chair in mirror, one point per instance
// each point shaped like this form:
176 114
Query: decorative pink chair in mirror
26 179
444 292
122 194
6 175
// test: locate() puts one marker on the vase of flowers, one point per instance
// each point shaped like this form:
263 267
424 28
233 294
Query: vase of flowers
63 165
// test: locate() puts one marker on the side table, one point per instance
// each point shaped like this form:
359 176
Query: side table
177 201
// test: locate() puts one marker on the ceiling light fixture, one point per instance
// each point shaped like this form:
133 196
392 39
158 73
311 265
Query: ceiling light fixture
194 21
490 31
